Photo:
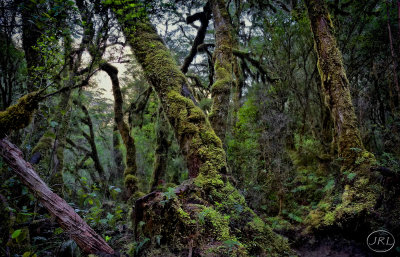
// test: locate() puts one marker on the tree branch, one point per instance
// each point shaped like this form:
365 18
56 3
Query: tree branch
85 237
204 18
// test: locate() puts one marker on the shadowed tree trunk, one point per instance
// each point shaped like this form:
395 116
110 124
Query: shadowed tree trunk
30 34
91 140
85 237
118 156
360 190
174 219
161 153
394 61
335 84
61 135
130 179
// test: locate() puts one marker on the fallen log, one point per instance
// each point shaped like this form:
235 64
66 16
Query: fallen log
85 237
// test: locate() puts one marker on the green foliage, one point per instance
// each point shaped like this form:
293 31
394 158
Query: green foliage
390 161
16 233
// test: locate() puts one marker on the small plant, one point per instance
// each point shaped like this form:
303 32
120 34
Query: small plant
231 245
169 195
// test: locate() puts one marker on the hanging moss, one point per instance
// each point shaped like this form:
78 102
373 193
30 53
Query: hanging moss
19 115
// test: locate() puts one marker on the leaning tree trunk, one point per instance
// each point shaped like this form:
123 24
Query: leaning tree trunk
360 190
205 211
334 80
85 237
130 179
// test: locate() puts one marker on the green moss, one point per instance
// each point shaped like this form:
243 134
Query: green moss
130 180
329 218
223 84
19 116
45 142
209 181
219 223
129 171
257 224
220 92
185 217
138 194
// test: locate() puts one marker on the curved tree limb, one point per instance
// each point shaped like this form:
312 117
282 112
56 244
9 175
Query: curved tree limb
130 179
204 18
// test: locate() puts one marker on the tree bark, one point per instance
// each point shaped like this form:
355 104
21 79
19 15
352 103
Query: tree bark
91 140
200 146
117 173
86 238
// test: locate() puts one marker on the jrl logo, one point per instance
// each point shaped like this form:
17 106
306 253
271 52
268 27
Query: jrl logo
380 241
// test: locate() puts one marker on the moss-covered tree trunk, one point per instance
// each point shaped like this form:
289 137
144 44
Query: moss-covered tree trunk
19 115
130 179
334 80
360 190
206 211
224 63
